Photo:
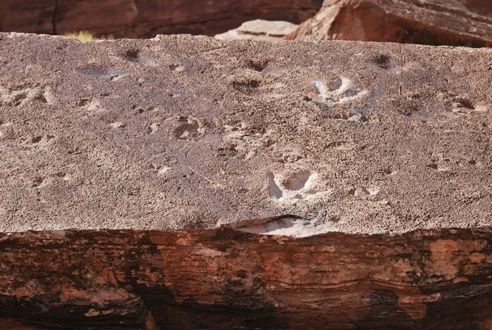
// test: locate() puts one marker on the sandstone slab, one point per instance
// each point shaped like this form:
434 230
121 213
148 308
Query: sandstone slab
431 22
187 182
126 134
259 30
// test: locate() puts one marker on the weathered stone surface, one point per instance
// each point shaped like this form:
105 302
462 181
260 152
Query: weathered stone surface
431 22
193 132
144 18
157 171
259 29
222 279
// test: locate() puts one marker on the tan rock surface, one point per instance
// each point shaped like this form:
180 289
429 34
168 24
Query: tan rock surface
172 167
181 132
259 29
431 22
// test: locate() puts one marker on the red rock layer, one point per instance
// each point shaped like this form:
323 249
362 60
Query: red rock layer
430 22
140 18
223 279
482 7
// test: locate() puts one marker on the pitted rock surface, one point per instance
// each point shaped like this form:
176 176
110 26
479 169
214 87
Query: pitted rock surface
192 132
199 148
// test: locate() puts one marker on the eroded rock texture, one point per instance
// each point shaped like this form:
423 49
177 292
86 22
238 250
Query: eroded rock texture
180 132
430 22
139 18
222 279
159 175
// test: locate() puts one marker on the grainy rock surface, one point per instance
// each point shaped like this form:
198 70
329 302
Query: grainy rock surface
182 132
191 183
430 22
145 18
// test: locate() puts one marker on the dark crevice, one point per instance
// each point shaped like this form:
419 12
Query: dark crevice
260 221
54 17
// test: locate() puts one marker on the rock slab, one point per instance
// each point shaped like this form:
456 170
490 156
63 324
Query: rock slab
259 30
187 182
350 137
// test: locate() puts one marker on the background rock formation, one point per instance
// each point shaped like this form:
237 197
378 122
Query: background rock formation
158 172
259 30
138 18
481 7
431 22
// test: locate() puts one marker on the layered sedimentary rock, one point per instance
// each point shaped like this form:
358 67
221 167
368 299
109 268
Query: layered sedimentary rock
224 279
195 183
431 22
482 7
137 18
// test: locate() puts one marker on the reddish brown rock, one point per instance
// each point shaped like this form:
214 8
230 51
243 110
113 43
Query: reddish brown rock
186 182
481 7
138 18
431 22
27 16
223 279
